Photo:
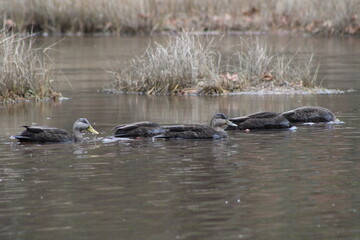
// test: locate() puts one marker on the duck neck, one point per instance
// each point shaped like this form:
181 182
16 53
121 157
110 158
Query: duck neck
219 129
220 133
78 135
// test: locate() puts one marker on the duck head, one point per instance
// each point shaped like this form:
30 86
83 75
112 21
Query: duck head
220 122
83 124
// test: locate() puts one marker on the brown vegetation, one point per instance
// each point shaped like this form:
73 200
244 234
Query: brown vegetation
24 74
187 65
147 16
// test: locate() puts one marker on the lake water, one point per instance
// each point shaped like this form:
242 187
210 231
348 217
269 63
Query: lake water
301 184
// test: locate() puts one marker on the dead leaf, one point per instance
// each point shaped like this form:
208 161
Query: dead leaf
9 24
232 77
143 16
108 25
267 77
252 11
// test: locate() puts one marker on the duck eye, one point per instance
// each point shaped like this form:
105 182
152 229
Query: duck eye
84 120
221 115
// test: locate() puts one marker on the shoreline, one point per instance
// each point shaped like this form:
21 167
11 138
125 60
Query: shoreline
194 33
138 17
260 92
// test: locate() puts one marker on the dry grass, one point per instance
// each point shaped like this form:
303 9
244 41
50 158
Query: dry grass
147 16
258 66
187 65
181 66
24 73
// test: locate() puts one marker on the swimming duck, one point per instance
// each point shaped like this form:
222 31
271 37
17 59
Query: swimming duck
260 120
196 131
139 129
52 135
309 114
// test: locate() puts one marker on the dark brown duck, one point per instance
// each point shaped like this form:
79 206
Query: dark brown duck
309 114
138 129
56 135
260 120
197 131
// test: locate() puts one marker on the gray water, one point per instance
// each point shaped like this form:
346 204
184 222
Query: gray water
301 184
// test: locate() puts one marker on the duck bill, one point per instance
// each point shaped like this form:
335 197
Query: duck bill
230 123
92 130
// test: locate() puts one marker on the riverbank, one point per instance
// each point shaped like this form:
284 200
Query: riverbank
329 17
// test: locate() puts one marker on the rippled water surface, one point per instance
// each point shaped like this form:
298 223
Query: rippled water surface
300 184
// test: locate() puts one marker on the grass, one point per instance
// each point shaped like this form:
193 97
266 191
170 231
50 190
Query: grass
260 67
24 73
188 65
184 64
328 17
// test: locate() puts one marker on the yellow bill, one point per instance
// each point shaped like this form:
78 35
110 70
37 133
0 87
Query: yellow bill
230 123
92 130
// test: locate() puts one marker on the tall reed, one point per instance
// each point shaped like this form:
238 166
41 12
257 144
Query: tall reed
260 67
189 65
24 73
184 63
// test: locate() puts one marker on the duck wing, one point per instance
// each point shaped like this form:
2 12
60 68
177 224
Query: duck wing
258 115
185 128
265 123
260 120
138 129
44 134
309 114
191 131
263 115
237 120
132 126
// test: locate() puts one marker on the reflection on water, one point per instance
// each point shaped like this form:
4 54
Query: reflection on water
301 184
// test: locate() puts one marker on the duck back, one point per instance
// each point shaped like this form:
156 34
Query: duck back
261 123
309 114
44 135
261 120
138 129
192 131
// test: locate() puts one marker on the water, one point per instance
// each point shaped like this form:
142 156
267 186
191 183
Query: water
301 184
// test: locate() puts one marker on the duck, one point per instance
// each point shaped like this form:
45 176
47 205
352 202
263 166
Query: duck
138 129
41 134
260 120
309 114
216 130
